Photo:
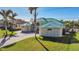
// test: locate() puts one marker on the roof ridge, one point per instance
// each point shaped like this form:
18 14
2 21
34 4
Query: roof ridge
54 19
50 18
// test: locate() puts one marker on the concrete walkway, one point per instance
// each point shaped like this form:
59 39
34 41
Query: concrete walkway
18 37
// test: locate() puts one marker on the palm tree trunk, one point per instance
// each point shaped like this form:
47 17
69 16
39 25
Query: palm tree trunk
5 30
35 23
35 30
6 33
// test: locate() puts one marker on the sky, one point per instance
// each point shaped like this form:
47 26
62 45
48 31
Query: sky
62 13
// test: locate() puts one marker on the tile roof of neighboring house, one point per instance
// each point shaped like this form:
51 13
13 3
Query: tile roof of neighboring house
50 23
20 21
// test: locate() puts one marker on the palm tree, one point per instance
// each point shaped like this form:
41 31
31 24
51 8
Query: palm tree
13 19
34 9
5 14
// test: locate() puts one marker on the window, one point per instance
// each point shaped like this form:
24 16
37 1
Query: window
49 29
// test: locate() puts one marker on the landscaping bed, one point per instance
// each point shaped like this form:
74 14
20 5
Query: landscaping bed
3 31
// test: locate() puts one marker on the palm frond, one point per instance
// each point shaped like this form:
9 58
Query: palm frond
31 9
14 14
12 18
1 14
3 11
8 12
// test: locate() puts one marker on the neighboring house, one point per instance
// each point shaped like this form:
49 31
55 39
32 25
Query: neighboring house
17 23
51 27
76 30
29 26
26 27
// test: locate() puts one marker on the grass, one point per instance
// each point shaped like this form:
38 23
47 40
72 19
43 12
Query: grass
31 44
25 45
3 31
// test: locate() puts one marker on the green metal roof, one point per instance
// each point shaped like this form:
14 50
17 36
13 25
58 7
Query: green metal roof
47 20
50 23
26 24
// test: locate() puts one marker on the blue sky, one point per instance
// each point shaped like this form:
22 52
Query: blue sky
48 12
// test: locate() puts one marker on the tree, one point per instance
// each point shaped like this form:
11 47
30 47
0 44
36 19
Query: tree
13 19
33 10
5 14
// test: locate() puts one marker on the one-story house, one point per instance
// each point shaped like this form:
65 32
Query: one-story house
48 27
29 26
51 28
26 27
17 23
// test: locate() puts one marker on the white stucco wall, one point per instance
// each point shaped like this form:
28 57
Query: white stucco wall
26 28
55 32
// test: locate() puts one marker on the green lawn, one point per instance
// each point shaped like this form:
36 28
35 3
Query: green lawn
27 44
31 44
3 31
